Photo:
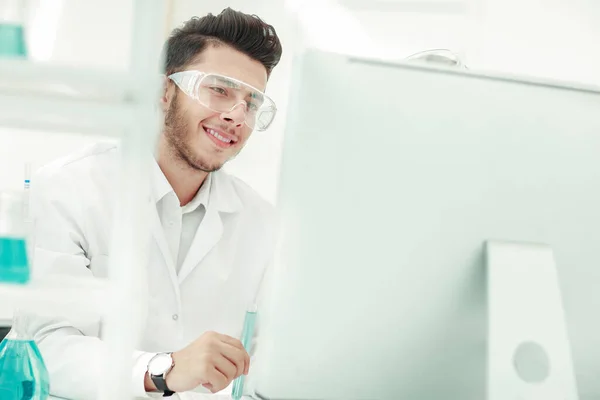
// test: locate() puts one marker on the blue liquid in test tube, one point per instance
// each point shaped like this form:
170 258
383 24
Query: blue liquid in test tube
247 333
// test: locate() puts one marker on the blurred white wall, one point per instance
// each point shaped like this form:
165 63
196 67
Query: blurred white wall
547 38
551 38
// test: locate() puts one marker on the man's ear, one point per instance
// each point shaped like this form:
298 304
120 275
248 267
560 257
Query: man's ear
165 97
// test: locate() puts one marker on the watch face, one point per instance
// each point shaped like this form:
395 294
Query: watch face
160 364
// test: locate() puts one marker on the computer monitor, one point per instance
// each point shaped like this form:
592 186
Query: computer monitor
394 178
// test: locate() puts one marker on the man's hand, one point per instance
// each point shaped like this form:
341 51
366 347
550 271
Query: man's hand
213 361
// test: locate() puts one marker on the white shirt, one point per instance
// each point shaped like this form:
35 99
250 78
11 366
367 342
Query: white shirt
207 286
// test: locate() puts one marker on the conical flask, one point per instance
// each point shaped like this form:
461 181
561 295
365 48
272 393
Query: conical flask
23 374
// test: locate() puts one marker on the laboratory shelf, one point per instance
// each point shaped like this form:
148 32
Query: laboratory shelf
40 113
55 296
120 104
68 99
19 72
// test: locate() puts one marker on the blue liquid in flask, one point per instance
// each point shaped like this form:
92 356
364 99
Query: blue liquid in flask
12 40
23 374
14 267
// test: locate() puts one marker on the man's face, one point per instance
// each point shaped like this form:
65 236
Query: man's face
190 127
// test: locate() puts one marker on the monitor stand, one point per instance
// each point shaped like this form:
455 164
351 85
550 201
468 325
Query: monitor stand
529 355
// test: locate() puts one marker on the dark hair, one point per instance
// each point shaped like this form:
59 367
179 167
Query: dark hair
244 32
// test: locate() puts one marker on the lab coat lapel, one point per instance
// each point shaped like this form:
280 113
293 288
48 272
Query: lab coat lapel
223 198
207 236
159 236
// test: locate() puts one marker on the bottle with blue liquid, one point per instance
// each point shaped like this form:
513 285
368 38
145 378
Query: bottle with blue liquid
12 31
14 264
23 374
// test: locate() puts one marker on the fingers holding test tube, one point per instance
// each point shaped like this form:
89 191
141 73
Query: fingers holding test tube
213 360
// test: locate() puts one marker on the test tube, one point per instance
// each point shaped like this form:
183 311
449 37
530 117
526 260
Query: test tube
246 339
27 221
26 186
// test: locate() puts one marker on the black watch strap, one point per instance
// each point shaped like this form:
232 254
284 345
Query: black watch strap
161 384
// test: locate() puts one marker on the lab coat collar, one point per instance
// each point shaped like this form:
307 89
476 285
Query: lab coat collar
201 198
161 187
217 190
218 194
223 195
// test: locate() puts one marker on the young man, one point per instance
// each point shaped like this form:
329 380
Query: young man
212 235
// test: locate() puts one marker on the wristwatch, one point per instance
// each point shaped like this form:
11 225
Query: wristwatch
158 368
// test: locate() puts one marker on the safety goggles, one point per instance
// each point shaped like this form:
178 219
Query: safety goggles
222 94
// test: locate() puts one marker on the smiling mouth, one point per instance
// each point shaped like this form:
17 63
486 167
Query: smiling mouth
217 138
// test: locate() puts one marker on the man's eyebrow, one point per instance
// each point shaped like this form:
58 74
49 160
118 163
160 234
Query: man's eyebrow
255 94
229 83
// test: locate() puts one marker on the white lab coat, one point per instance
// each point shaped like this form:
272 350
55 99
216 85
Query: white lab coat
72 205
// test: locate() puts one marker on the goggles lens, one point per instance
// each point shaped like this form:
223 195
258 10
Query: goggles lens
222 94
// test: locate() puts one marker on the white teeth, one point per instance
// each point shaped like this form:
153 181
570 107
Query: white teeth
221 138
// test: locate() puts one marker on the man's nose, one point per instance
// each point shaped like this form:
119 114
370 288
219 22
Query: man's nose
237 115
